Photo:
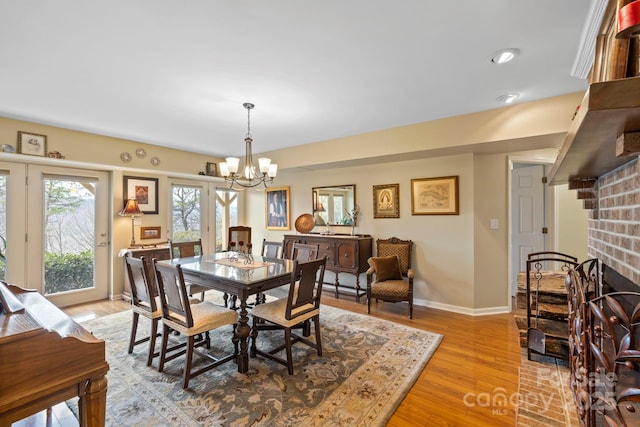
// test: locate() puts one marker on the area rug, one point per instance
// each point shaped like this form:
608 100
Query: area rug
367 367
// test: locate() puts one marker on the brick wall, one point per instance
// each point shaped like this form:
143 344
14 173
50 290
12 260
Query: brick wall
614 226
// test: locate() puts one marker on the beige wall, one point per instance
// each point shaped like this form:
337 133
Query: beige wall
444 246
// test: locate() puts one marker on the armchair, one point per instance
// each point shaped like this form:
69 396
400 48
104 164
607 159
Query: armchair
390 276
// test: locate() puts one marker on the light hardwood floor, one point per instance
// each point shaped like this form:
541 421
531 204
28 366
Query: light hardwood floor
477 360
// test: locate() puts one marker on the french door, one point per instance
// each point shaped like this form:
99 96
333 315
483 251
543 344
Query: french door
57 235
196 207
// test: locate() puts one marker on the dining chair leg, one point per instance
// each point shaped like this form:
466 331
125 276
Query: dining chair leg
134 330
152 340
287 340
316 325
187 363
163 349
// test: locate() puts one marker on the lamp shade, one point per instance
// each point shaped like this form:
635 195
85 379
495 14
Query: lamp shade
131 208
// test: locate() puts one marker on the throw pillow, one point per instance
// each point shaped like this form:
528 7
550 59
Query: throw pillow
387 268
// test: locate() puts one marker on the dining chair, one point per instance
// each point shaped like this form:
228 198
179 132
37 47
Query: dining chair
189 249
304 252
191 321
302 304
144 301
269 250
272 249
237 234
390 276
301 252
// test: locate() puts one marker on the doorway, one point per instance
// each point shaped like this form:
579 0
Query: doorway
57 231
527 216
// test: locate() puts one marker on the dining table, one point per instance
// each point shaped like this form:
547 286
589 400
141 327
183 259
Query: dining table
240 275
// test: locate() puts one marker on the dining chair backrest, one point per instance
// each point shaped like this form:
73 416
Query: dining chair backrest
239 233
174 297
185 249
142 292
304 252
305 295
272 249
400 248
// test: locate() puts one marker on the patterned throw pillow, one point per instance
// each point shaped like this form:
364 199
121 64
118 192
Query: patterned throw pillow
387 268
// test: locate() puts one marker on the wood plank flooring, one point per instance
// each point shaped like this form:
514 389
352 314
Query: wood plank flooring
475 365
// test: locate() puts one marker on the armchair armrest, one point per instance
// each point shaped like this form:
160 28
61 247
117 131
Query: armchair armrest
410 273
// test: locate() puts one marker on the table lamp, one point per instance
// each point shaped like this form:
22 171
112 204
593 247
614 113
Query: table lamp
132 209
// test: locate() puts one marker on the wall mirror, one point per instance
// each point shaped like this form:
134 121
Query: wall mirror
331 204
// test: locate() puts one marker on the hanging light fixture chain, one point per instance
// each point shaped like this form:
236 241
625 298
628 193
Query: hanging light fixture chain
248 106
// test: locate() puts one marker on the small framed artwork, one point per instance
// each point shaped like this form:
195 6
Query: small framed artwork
435 196
277 206
144 190
147 233
386 201
32 144
212 169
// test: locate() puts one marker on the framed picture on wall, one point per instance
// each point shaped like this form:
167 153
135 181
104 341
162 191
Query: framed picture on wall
144 190
147 233
32 144
277 208
435 196
386 201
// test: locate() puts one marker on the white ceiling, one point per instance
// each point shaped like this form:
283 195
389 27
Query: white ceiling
175 73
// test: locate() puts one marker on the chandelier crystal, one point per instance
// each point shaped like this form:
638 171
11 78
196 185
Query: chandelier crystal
248 175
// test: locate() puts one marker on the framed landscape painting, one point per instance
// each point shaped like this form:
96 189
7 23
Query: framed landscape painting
435 196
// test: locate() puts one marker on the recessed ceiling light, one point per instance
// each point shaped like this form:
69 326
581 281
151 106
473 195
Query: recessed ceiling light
508 98
505 55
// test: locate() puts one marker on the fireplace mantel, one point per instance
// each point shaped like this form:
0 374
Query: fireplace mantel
609 109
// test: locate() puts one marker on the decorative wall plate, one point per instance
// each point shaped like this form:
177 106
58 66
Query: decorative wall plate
305 223
125 157
141 153
155 161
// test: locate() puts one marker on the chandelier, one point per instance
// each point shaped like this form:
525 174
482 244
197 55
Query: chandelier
249 175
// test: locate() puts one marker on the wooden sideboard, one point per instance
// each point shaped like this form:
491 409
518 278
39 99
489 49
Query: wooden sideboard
159 253
47 358
345 254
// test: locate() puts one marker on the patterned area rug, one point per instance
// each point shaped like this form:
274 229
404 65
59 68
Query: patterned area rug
367 367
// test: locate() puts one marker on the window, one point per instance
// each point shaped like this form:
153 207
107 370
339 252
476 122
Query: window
192 217
186 213
226 215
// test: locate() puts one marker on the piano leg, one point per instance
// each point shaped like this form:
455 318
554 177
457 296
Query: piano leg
93 403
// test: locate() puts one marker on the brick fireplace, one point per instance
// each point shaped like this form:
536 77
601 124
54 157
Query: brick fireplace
614 225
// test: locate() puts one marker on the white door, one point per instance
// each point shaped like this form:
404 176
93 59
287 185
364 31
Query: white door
527 210
13 222
67 234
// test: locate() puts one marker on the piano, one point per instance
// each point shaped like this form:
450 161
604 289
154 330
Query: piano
47 358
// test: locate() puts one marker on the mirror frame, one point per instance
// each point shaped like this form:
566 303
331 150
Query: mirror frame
314 201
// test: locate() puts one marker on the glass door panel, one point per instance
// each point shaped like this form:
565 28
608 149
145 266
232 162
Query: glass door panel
68 245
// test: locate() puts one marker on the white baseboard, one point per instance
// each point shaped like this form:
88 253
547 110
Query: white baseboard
463 310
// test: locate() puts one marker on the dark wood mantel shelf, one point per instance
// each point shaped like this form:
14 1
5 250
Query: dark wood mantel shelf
608 110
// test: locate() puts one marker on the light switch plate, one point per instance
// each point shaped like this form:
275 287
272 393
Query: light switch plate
493 223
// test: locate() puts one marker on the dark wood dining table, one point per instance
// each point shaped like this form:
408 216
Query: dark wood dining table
231 273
